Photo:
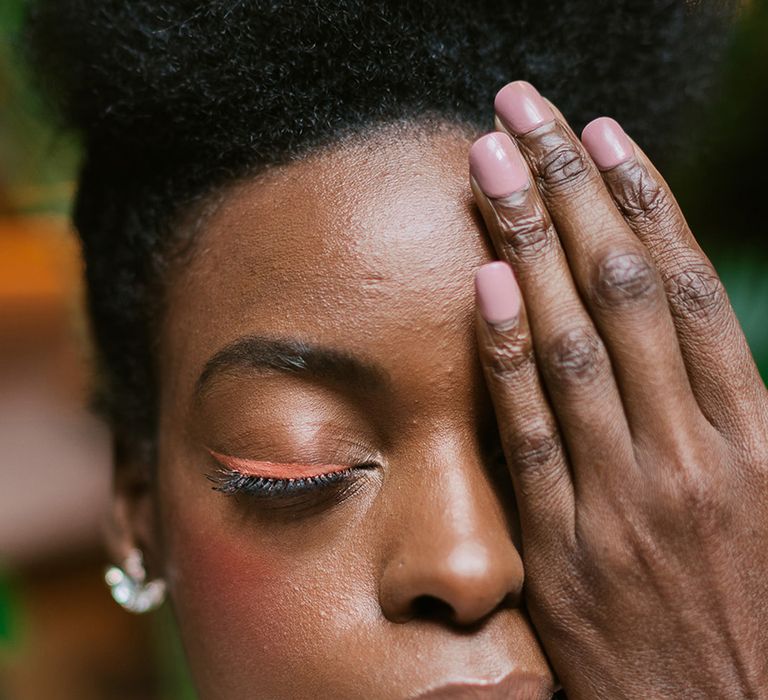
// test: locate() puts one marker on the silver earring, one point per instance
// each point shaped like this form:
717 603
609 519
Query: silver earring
131 589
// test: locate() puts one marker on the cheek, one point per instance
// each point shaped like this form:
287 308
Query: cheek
247 607
250 599
231 597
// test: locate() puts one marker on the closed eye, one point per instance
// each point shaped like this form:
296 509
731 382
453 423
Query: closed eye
296 495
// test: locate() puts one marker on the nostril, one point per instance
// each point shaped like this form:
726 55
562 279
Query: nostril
430 608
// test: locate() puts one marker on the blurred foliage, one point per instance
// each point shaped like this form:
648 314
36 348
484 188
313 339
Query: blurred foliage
9 614
37 161
746 279
175 678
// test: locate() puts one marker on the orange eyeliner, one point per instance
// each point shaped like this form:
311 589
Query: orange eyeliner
275 470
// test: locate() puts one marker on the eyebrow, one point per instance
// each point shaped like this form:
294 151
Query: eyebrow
258 354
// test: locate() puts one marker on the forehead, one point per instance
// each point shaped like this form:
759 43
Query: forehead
369 246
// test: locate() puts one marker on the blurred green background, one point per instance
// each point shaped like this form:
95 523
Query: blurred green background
53 606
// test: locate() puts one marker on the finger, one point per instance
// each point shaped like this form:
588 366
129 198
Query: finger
722 371
528 429
613 271
569 352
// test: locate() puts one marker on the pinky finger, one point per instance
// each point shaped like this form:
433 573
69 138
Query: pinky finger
718 360
527 426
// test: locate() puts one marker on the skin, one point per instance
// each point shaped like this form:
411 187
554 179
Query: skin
631 417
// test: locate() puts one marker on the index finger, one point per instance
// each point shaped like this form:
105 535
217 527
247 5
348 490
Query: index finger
529 432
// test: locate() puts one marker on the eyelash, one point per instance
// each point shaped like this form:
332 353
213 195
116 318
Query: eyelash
229 481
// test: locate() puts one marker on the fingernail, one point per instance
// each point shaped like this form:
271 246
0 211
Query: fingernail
498 296
497 165
521 107
606 142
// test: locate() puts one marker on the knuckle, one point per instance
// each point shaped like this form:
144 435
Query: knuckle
576 356
526 237
696 497
511 357
563 165
693 501
610 546
698 504
536 449
640 196
625 278
697 293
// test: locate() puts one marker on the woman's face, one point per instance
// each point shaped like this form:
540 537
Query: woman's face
323 322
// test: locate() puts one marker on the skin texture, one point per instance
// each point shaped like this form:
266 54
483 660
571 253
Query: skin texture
413 580
628 413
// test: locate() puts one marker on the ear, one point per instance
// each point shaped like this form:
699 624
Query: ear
132 521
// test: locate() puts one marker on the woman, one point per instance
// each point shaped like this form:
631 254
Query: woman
341 458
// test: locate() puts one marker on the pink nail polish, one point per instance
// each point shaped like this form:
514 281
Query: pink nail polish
521 107
606 142
498 296
497 165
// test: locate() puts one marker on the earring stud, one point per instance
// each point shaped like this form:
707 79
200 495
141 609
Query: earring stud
129 586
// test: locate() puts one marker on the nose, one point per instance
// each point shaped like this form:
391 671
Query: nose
454 560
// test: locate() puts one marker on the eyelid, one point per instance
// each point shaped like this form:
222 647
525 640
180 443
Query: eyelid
275 470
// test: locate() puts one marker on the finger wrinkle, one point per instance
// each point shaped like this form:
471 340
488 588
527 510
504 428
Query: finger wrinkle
641 197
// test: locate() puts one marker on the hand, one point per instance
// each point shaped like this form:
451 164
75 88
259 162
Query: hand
632 415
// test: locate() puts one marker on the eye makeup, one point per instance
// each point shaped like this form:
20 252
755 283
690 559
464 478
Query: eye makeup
275 470
283 480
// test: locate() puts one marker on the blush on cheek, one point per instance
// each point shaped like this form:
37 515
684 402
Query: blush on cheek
229 595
